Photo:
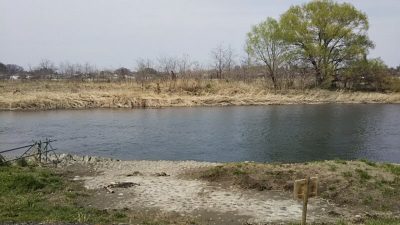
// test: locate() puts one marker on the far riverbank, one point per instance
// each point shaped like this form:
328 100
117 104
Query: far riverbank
50 95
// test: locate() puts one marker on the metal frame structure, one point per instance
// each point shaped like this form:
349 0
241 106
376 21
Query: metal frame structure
39 149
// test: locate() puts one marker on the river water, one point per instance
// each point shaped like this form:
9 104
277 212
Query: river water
282 133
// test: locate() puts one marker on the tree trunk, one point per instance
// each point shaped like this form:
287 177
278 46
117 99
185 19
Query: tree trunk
318 74
273 80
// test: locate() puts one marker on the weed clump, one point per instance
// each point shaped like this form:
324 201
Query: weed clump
394 169
363 174
369 163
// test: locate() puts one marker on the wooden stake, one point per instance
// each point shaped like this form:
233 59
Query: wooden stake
305 201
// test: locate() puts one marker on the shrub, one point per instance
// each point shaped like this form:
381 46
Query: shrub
21 162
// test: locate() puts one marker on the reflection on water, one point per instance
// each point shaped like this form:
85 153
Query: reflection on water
291 133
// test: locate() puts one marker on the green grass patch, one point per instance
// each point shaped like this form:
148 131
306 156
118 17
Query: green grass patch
33 194
383 222
340 161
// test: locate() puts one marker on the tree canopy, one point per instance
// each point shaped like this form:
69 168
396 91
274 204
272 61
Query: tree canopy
265 44
327 34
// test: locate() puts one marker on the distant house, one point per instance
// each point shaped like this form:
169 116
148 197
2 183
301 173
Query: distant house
130 77
14 77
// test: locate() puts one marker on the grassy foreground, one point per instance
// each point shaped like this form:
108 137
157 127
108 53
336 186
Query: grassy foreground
36 194
45 95
33 194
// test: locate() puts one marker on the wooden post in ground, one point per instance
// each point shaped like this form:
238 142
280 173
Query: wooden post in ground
305 201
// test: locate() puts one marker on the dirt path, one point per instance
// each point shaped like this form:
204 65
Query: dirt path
172 193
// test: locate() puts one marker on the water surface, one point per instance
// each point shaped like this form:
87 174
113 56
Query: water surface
291 133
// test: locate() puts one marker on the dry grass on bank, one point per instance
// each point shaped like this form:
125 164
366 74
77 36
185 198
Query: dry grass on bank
44 95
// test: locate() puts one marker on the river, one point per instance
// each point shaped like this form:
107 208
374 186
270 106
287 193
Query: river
280 133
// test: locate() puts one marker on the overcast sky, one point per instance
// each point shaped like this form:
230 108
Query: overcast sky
114 33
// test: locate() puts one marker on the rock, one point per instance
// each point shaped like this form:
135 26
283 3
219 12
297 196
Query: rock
162 174
136 173
371 216
358 219
122 185
333 213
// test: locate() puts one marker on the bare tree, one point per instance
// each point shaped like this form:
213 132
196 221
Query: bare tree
46 64
89 70
229 58
223 59
167 65
9 70
184 64
13 69
67 69
145 66
145 69
46 68
264 44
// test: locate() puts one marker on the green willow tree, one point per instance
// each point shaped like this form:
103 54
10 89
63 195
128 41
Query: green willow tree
327 35
265 44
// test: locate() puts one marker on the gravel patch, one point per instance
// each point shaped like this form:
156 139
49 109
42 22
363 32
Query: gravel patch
158 185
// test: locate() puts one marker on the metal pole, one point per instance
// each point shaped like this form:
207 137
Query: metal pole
40 152
13 149
45 148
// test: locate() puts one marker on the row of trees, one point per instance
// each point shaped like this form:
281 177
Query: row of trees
162 67
321 44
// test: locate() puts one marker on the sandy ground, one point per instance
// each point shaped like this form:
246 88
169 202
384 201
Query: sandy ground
175 194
